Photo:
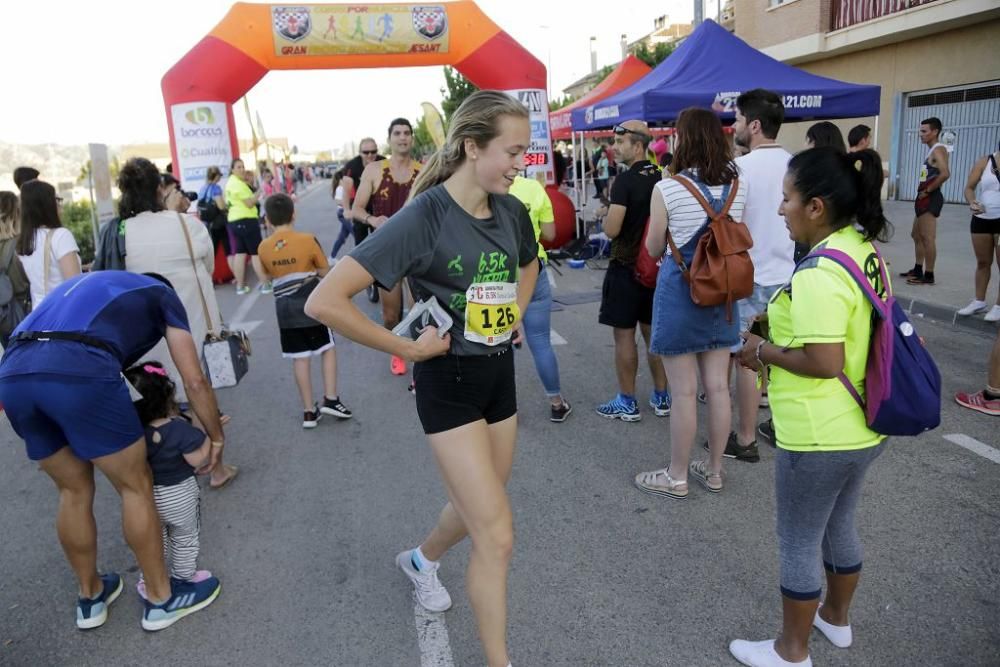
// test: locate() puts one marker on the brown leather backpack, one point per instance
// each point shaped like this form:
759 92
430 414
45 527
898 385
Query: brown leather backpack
721 271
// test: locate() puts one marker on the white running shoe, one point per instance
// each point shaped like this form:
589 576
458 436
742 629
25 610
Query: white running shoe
973 308
840 636
993 315
430 592
762 654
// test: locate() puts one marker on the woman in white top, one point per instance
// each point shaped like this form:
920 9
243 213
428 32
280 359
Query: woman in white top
47 250
982 191
155 242
691 338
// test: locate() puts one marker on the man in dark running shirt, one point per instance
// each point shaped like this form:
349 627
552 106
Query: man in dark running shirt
384 188
927 207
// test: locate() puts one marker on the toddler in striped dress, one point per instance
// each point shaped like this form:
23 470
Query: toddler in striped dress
176 452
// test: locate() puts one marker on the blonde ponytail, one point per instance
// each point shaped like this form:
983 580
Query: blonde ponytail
478 118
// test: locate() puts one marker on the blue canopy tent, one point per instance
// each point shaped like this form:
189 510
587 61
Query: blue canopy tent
710 69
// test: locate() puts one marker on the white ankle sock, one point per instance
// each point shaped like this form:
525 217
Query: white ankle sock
840 636
422 562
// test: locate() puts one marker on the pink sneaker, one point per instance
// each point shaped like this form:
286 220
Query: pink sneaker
979 403
397 365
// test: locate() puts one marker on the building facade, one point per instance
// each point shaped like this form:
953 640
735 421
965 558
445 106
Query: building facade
931 58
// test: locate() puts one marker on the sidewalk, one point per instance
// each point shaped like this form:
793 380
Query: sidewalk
953 272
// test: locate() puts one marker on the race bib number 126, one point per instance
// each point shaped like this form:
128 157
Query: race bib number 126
491 312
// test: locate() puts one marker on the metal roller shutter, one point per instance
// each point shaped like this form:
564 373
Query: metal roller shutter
972 113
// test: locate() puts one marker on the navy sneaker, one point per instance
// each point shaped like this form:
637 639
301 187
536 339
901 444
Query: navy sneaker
660 403
186 597
620 407
93 613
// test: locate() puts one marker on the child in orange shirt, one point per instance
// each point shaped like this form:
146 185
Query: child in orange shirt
295 262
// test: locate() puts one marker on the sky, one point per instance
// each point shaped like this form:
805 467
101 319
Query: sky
76 73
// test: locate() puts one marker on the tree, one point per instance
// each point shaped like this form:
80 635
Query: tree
423 144
560 102
114 166
657 55
456 89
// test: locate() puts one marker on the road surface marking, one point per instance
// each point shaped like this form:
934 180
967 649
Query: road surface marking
432 636
557 339
552 278
974 446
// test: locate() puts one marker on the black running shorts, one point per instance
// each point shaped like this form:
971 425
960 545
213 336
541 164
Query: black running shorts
453 390
247 235
984 226
625 303
933 204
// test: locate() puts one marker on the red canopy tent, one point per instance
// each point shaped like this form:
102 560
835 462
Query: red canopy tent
628 72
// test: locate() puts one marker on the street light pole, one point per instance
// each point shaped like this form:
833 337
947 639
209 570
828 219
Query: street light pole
548 60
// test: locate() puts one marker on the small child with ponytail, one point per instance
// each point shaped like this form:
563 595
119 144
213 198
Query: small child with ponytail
176 451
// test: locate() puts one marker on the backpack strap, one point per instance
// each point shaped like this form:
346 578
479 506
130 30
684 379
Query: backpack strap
881 307
700 197
709 209
46 262
852 268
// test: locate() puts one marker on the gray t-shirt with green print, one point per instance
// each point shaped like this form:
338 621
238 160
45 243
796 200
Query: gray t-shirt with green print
444 251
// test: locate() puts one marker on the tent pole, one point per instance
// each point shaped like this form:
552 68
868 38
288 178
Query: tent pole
576 175
581 194
875 134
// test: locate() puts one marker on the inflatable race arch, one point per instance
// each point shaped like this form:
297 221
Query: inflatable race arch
253 39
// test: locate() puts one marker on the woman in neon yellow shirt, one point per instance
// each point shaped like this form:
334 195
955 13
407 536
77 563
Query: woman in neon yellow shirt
820 324
241 204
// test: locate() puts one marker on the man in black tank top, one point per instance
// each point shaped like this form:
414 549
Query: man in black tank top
927 207
352 179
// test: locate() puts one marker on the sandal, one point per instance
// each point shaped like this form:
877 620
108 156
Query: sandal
233 472
659 482
712 481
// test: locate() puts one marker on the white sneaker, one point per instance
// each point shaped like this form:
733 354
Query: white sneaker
431 594
840 636
993 315
973 308
762 654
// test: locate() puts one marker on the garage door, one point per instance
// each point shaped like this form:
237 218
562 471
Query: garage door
972 113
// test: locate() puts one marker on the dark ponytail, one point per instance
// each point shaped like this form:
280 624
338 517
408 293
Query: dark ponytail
849 184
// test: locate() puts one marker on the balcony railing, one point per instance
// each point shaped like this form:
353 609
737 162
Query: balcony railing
845 13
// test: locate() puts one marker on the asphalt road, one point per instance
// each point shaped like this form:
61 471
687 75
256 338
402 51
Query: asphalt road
304 540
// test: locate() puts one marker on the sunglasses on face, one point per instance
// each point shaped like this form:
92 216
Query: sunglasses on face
369 152
621 131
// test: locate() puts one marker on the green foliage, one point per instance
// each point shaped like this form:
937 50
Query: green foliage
456 89
657 55
114 166
76 217
560 102
423 144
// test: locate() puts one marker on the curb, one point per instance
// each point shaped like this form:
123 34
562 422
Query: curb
947 315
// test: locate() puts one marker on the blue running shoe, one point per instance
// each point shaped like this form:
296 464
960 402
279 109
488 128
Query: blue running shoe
660 403
93 613
186 597
620 407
